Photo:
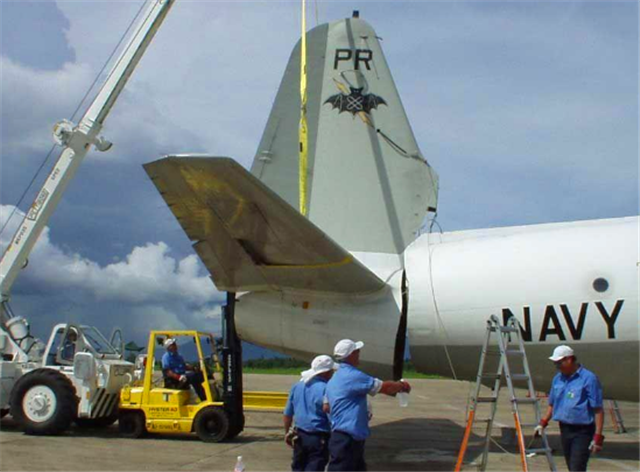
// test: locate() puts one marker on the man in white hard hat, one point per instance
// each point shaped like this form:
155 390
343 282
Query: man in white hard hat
177 373
312 429
575 400
347 404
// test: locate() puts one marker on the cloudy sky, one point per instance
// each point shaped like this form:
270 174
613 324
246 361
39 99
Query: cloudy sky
527 110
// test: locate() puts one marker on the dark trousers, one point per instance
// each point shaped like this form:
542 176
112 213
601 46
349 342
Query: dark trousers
345 453
310 451
195 379
576 439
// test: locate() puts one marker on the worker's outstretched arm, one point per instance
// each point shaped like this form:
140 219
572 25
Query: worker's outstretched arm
391 388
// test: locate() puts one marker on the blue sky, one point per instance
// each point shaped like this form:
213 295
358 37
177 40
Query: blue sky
527 110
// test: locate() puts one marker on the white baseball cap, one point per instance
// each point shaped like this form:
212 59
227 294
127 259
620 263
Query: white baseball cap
561 352
319 365
345 347
168 342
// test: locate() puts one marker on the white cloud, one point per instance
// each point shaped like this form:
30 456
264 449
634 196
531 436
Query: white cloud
147 274
151 288
33 100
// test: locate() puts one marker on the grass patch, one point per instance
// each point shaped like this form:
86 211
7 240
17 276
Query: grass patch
274 371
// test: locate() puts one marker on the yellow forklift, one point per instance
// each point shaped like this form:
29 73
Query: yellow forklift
220 416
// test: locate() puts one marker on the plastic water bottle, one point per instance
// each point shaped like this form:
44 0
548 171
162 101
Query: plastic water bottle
403 398
239 465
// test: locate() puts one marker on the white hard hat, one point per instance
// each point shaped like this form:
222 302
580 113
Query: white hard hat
319 365
345 347
561 352
168 342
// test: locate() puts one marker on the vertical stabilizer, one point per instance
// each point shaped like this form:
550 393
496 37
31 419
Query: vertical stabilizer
369 186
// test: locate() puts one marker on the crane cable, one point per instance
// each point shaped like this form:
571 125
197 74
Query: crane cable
302 135
86 95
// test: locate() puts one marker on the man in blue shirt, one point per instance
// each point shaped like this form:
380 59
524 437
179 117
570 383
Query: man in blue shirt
305 405
347 404
177 373
575 400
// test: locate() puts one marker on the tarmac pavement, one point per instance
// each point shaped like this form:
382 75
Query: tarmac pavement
424 436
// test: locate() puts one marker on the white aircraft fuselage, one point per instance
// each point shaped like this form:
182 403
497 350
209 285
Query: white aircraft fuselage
567 283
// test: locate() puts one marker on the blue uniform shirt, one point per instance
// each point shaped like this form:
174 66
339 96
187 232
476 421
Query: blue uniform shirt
174 362
574 398
347 394
305 404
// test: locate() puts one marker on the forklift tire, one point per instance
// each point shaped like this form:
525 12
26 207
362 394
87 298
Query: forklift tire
4 412
132 424
44 402
212 424
96 423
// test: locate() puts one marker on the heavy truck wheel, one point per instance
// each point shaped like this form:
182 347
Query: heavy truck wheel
44 402
212 424
132 424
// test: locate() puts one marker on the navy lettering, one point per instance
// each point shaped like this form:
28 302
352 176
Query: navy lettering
610 319
550 316
576 331
525 330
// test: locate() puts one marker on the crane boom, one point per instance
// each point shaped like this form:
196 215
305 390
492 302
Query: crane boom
76 141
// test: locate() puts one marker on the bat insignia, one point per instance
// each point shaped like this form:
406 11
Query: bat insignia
355 102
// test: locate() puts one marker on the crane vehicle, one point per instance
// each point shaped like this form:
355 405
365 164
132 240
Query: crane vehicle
77 374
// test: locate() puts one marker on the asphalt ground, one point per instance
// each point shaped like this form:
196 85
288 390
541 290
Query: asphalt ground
424 436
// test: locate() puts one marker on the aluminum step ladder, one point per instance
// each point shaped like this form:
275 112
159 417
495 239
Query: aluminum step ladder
616 417
508 350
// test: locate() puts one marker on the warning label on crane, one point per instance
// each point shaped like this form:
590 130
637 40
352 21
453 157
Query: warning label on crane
38 204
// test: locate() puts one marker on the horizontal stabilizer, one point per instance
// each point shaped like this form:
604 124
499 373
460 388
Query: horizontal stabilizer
247 236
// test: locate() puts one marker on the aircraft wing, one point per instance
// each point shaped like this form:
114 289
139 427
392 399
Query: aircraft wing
247 236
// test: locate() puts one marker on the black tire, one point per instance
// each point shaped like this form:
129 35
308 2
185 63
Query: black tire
132 424
4 412
63 392
96 423
212 424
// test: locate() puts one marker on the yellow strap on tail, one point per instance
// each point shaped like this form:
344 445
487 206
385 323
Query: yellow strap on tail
303 114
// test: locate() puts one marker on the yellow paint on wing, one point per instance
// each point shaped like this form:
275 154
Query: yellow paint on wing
328 265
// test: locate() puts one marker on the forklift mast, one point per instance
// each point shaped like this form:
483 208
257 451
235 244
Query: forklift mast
232 364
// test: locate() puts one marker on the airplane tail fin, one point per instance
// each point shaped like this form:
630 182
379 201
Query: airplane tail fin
369 186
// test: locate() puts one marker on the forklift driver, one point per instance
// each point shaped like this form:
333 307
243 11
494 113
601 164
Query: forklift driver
177 373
